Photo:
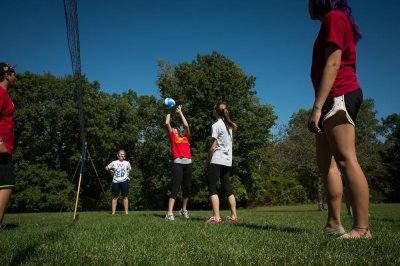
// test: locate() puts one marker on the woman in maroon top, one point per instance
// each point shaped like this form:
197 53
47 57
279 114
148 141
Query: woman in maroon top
7 114
338 98
181 164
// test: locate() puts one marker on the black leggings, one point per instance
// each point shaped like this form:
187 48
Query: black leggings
179 172
223 172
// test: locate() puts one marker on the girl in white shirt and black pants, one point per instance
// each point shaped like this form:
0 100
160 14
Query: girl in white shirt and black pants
219 162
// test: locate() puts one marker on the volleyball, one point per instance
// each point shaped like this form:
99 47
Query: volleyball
169 102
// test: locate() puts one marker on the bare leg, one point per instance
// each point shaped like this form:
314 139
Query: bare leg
341 138
114 204
171 203
215 206
332 181
232 203
126 204
5 195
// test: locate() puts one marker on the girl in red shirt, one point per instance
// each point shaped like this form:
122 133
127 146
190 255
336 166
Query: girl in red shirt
181 164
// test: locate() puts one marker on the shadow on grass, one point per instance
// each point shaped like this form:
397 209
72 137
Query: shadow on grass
387 220
292 210
76 218
240 224
8 226
156 215
24 254
162 216
270 227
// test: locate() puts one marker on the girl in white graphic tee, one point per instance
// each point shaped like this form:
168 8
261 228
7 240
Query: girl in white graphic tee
120 170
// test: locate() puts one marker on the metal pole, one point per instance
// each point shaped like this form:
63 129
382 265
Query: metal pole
84 147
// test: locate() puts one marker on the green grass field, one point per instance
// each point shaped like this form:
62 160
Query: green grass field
277 235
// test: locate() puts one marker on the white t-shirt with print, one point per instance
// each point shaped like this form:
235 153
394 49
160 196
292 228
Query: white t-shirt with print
223 151
121 170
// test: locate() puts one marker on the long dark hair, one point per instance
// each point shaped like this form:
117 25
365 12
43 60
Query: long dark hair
319 8
222 111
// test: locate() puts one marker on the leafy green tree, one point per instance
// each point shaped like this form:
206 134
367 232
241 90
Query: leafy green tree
391 155
295 155
47 137
369 149
40 188
152 153
111 125
44 137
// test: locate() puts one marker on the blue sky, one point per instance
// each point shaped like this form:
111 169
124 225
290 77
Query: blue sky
122 40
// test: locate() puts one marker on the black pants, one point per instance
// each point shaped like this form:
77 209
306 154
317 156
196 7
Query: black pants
223 172
181 172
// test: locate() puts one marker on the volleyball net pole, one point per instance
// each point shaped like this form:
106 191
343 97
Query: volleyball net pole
71 18
82 169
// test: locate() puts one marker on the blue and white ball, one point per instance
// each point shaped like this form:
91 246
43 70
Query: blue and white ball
169 102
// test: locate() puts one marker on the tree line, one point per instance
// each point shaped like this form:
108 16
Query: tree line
267 169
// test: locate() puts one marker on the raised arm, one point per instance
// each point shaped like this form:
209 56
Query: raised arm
168 122
185 123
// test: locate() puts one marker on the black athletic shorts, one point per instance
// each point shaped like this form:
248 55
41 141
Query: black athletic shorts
7 178
122 187
349 103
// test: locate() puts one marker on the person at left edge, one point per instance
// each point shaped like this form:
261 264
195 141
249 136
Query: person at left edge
7 121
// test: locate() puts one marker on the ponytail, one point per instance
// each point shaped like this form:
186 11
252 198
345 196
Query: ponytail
222 111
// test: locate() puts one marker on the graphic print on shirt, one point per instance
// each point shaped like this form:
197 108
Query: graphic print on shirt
181 140
121 170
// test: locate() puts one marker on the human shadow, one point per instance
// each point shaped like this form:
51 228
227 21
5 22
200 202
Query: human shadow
387 220
285 211
156 215
23 255
162 216
270 227
8 226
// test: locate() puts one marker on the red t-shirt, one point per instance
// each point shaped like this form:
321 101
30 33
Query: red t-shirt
336 28
7 120
180 145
